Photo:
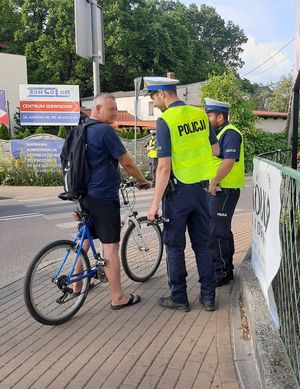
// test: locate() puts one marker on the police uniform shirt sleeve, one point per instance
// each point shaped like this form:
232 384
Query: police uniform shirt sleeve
231 145
113 143
212 136
163 139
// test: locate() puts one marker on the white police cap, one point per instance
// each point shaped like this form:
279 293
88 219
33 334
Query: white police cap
153 84
216 105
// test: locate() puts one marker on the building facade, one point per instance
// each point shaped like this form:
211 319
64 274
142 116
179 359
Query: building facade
13 71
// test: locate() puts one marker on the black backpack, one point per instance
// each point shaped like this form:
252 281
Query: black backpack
75 168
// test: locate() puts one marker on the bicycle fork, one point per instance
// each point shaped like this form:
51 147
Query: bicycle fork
139 237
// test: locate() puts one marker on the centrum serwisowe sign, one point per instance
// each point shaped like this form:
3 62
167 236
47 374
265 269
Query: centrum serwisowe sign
49 105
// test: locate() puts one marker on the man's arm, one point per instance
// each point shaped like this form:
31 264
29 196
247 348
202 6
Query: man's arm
162 178
223 170
129 165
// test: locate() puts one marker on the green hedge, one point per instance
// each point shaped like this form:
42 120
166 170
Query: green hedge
129 133
258 141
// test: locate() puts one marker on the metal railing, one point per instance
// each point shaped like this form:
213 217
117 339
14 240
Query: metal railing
286 284
284 157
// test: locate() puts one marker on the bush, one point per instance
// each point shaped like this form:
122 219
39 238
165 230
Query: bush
39 130
130 134
23 172
21 134
4 132
258 141
123 133
62 132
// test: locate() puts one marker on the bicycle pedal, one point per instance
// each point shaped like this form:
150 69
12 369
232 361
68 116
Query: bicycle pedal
101 263
62 299
103 279
101 275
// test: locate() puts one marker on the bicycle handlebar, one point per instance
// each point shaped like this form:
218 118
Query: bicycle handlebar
158 220
128 184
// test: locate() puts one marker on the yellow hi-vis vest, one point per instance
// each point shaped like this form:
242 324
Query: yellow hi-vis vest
152 153
235 178
192 158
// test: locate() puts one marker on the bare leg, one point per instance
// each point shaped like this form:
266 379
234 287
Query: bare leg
79 268
113 273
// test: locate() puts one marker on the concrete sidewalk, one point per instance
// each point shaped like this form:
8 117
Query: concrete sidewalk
143 346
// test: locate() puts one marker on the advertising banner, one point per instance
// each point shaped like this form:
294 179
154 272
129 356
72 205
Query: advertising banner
266 246
4 119
49 105
39 153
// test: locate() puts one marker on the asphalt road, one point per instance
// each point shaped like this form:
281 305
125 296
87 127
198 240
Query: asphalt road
31 217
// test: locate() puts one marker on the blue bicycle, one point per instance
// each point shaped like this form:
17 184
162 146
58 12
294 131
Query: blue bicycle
58 267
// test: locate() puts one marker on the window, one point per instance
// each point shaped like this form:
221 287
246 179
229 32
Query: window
151 108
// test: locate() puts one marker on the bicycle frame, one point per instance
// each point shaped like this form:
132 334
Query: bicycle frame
82 234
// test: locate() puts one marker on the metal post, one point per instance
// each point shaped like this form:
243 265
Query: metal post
96 70
136 102
137 87
295 127
11 132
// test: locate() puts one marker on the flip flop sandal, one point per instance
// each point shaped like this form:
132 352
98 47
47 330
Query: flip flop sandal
132 301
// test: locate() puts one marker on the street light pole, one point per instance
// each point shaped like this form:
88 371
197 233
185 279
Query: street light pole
95 58
137 87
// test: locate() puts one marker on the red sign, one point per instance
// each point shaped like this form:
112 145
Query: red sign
49 106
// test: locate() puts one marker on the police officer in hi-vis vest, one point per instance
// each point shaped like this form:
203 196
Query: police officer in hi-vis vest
224 188
152 154
185 145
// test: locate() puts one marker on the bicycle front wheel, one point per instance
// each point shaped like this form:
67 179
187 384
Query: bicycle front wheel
141 250
48 295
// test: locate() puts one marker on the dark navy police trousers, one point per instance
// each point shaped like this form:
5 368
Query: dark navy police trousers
187 208
221 244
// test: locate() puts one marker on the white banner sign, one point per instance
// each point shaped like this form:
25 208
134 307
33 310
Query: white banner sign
266 247
49 105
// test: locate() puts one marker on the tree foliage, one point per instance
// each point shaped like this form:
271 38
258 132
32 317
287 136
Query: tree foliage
281 95
274 96
240 94
229 87
142 37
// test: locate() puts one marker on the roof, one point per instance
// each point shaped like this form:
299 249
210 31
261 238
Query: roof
270 114
125 119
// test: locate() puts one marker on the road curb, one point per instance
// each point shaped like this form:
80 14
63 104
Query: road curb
272 361
242 347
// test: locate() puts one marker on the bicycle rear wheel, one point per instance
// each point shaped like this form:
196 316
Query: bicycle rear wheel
141 250
44 298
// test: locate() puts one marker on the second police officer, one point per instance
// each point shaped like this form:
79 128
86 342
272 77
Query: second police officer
152 155
224 188
185 146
